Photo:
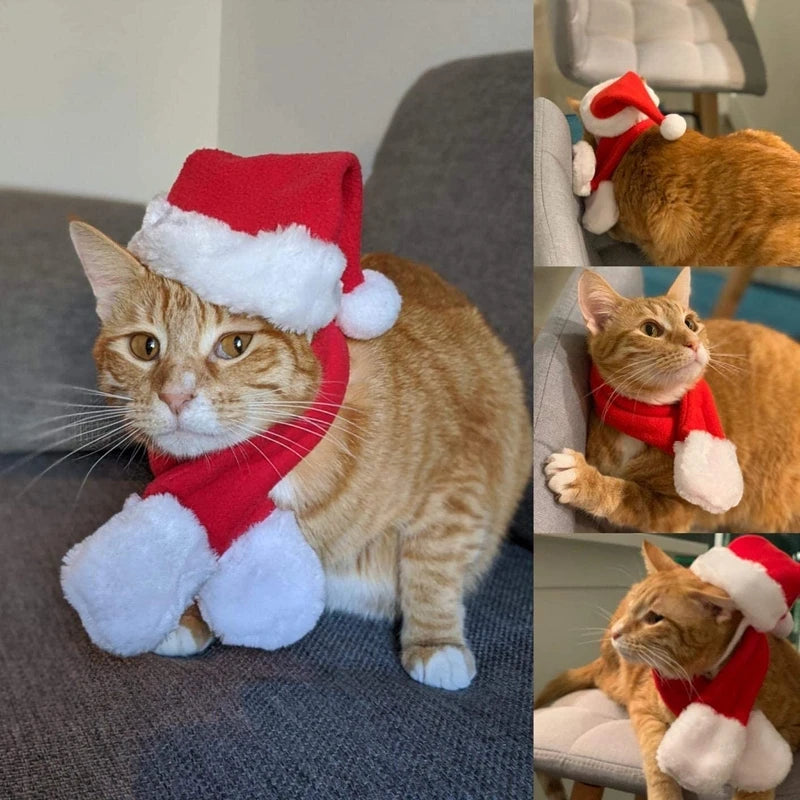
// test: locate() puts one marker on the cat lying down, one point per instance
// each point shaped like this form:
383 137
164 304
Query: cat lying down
672 630
724 201
655 351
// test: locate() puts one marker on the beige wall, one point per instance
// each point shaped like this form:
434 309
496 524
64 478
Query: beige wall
322 74
105 97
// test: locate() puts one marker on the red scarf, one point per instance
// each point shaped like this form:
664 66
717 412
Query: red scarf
659 426
229 490
611 149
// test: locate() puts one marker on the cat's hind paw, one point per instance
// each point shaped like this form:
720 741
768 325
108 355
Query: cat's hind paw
563 471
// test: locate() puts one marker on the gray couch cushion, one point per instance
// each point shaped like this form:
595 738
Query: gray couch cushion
48 322
334 716
560 398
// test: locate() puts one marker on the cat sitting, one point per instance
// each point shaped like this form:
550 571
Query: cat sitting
680 196
654 351
677 625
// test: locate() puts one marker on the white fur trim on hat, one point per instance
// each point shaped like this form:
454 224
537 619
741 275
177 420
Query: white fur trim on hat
700 748
601 212
131 580
371 308
269 587
287 276
757 595
707 473
767 757
784 626
616 124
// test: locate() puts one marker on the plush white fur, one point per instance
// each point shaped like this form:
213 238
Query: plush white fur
767 757
448 668
601 212
617 124
707 473
269 587
758 596
131 580
784 626
700 748
287 276
371 308
672 127
584 163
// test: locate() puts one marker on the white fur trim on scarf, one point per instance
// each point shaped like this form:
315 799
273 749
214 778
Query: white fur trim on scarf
601 212
584 163
269 587
700 748
287 276
758 596
616 124
707 473
131 580
371 308
767 757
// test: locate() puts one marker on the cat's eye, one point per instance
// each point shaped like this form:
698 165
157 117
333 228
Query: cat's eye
232 345
651 328
144 346
691 324
651 618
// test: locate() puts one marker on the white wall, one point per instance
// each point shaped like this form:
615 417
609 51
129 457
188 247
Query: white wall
105 97
306 75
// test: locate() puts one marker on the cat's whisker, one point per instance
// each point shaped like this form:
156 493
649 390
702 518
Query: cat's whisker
90 426
119 443
89 390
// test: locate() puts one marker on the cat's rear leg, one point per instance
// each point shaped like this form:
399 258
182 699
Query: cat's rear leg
622 502
436 552
191 637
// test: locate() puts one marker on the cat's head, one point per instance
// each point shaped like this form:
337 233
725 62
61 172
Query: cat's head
191 376
649 348
672 620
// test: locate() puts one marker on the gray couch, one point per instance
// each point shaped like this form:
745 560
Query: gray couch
559 240
334 716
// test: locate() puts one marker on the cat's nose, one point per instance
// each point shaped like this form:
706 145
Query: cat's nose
176 400
693 345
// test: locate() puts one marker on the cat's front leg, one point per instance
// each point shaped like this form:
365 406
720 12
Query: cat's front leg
621 502
650 728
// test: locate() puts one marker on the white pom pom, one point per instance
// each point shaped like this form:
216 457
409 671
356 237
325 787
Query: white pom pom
673 127
371 308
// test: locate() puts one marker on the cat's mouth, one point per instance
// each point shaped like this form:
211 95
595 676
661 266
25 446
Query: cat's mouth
636 653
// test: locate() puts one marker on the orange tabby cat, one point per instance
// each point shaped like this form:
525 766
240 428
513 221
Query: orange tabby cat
673 616
727 201
640 348
407 497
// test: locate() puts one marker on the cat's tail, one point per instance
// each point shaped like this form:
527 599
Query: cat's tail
569 681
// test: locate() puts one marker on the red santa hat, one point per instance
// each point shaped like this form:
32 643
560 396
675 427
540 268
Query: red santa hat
705 470
762 580
277 236
612 107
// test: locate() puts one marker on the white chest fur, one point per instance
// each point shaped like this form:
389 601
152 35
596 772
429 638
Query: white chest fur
627 448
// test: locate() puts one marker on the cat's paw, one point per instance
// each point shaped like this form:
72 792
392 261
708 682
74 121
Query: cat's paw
564 471
583 167
448 667
184 641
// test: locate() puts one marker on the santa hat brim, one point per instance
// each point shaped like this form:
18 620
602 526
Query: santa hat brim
757 595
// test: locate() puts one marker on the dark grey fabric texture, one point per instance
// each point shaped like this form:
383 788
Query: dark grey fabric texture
451 187
334 716
47 324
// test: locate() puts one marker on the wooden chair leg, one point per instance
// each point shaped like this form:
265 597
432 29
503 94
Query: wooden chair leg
707 110
732 292
640 797
583 791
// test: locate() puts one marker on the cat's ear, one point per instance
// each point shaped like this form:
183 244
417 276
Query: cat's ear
717 602
655 559
682 287
108 266
597 300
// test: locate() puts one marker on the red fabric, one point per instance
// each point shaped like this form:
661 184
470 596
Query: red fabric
658 426
228 490
779 566
262 193
628 90
611 149
733 691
